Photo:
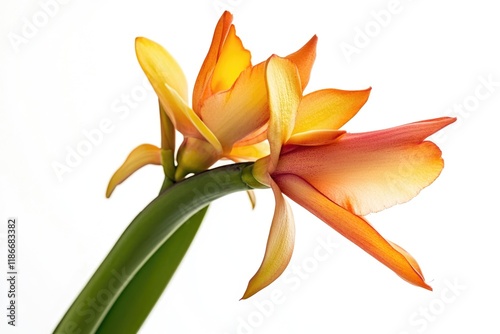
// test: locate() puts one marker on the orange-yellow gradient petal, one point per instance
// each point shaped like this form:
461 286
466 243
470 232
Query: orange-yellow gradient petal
328 109
371 171
159 65
315 137
141 156
202 85
249 152
354 228
284 91
233 59
279 247
232 115
304 59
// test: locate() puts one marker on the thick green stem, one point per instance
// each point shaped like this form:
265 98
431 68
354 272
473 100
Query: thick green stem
144 236
136 301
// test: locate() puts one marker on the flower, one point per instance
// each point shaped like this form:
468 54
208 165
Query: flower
230 110
338 176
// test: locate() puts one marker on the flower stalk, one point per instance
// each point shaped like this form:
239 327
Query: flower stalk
143 238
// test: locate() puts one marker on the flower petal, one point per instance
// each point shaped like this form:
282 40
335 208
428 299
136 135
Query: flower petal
160 66
284 90
163 74
250 152
225 60
233 60
234 114
315 137
202 84
328 109
304 59
255 137
279 246
141 156
354 228
371 171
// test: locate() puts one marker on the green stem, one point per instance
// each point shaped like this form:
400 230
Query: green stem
136 301
144 236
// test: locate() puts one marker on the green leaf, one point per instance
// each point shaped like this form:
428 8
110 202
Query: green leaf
139 242
137 300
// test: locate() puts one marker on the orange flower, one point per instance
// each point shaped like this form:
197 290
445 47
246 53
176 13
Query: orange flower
230 109
338 176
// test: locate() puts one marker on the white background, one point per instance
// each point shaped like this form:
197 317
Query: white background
74 70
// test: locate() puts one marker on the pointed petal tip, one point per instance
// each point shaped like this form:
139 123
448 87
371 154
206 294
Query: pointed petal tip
248 293
141 156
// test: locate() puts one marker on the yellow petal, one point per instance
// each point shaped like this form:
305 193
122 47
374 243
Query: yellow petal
354 228
371 171
304 60
234 114
163 74
250 152
279 246
315 137
232 60
328 109
284 90
202 86
160 66
141 156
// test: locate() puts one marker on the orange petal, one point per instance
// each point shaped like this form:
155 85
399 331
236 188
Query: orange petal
279 246
234 114
163 74
328 109
371 171
354 228
225 60
284 90
141 156
304 60
408 257
250 152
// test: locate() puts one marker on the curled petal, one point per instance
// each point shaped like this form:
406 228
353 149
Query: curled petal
226 53
160 66
304 59
371 171
234 114
284 90
141 156
279 246
233 59
408 257
157 63
328 109
353 227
